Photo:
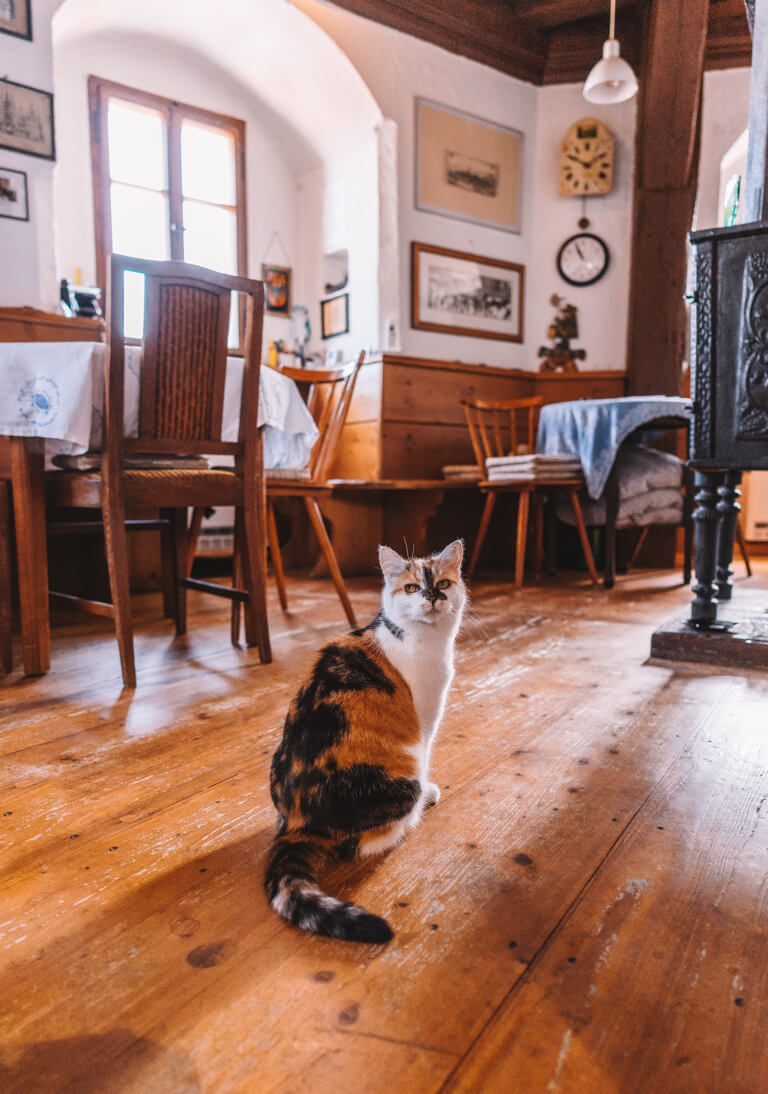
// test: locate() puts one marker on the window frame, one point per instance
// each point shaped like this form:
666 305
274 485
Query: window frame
99 91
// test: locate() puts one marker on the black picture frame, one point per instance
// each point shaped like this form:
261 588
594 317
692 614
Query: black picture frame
26 120
334 316
14 194
21 26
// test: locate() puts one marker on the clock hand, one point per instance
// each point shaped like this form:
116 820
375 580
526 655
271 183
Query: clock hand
575 159
578 251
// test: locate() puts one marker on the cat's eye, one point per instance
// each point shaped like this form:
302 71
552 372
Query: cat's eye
411 588
444 583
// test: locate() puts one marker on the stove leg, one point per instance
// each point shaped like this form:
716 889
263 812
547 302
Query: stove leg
706 520
729 509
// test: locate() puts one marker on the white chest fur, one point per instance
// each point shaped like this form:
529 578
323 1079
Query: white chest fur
424 656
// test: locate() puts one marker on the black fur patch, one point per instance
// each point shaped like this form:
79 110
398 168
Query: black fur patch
341 668
428 590
361 797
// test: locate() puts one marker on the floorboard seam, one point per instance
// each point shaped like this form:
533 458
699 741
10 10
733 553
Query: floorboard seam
525 975
399 1041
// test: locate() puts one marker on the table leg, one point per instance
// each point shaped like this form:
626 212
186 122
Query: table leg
729 509
707 523
31 555
611 516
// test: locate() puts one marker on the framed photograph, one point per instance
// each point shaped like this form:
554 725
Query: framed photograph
13 193
15 18
334 316
468 168
458 293
26 119
277 289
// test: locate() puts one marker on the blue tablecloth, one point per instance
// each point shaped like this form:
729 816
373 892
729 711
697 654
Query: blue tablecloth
593 429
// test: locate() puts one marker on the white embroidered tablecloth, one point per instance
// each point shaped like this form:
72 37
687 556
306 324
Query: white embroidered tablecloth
55 390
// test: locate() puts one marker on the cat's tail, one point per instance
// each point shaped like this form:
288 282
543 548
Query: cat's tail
293 891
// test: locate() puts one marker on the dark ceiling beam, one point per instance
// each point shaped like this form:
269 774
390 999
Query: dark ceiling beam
666 156
574 49
483 30
729 44
554 13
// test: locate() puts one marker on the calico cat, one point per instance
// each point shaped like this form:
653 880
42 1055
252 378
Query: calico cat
350 775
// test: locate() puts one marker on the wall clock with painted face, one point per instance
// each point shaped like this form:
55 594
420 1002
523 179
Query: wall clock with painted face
583 259
586 159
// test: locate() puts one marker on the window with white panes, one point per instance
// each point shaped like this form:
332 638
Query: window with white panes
168 184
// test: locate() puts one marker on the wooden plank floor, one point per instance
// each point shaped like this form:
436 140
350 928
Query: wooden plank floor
586 909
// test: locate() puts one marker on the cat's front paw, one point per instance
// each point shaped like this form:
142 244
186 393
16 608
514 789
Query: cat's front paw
431 795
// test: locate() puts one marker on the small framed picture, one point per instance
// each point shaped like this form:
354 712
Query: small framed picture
459 293
13 193
334 315
15 18
277 288
26 119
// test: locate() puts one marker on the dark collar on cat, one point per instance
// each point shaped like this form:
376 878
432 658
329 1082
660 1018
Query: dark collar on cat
393 628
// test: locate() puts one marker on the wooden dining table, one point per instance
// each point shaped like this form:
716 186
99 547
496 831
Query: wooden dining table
51 402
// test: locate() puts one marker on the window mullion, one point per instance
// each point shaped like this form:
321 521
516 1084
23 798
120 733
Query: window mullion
176 208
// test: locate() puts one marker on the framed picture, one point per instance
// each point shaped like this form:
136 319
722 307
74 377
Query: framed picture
26 119
334 316
459 293
468 168
15 18
13 193
277 289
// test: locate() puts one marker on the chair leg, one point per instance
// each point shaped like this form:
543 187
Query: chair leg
316 517
180 541
584 538
743 547
638 547
193 535
277 558
254 561
523 506
6 640
168 564
485 520
237 577
538 528
115 542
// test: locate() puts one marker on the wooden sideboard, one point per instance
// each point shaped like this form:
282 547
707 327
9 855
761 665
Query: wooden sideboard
406 420
31 325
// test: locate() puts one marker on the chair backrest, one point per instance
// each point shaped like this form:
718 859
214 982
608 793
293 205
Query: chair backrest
500 427
183 358
328 393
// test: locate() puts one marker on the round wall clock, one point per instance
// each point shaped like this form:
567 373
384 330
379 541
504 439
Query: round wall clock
583 259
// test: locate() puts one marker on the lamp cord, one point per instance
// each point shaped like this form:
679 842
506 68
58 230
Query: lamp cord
613 19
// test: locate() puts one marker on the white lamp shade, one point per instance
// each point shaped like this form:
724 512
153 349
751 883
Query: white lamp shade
612 79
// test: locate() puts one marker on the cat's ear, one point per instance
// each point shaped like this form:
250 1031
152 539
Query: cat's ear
452 554
392 564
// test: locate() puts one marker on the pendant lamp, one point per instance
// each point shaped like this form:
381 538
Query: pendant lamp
612 79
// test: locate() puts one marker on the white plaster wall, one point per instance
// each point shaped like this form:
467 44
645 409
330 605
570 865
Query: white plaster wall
398 68
724 118
175 72
27 264
603 307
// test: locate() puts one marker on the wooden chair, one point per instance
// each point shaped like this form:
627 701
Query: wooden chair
183 368
327 393
6 646
498 428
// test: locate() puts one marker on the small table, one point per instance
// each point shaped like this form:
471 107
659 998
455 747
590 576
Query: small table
594 430
52 401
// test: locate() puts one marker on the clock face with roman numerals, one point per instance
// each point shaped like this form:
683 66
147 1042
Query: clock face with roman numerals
586 160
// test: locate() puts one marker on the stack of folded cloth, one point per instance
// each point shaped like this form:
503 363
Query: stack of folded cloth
532 468
467 472
650 491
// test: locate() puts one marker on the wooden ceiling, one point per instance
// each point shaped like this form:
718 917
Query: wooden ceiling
548 41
